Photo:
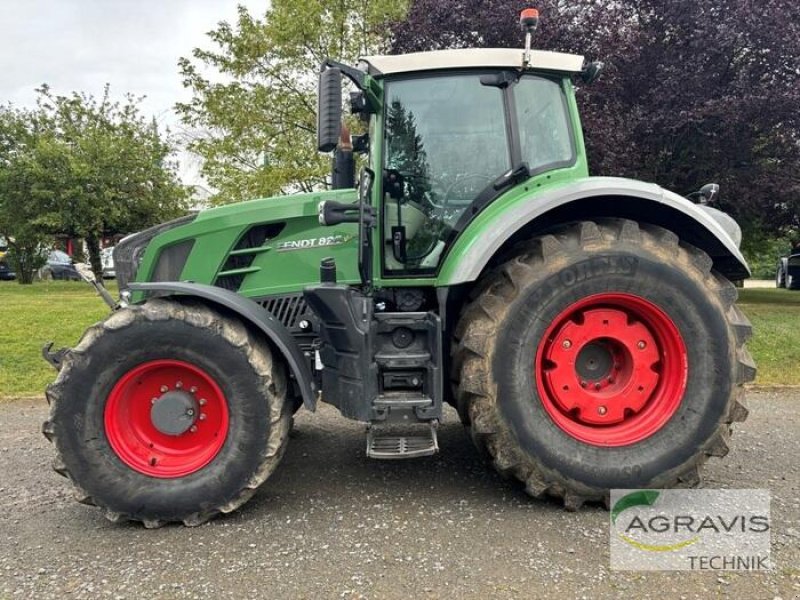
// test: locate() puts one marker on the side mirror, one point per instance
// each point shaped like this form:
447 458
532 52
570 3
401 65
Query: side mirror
329 109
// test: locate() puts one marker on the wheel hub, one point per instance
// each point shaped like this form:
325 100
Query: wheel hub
166 418
611 369
174 413
595 361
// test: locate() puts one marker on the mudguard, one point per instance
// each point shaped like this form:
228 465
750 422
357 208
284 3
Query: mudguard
253 314
709 229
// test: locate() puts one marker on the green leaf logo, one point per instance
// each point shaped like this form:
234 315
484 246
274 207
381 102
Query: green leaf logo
644 498
638 498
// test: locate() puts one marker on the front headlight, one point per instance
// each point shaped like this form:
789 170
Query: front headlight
130 250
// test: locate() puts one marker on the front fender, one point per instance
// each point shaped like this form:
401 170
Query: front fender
252 314
522 210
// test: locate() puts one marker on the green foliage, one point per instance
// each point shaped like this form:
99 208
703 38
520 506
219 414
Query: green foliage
254 120
26 256
25 148
762 250
84 168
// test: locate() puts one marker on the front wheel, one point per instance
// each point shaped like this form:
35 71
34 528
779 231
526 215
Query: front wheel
168 411
603 356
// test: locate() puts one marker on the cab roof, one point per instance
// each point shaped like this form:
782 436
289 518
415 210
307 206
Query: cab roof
468 58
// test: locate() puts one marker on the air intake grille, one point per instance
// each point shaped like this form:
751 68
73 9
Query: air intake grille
287 309
239 263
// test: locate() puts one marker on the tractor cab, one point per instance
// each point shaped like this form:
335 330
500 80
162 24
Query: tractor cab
457 136
449 132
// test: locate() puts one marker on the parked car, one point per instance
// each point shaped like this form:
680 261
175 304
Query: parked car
59 266
787 274
107 258
6 272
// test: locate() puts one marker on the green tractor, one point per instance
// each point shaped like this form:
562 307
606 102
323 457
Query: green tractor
584 328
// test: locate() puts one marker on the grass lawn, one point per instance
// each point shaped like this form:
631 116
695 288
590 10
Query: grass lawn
775 315
30 316
60 311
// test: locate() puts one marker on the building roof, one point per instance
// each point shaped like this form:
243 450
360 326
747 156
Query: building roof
472 58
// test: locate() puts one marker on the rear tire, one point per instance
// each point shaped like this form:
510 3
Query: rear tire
121 457
529 398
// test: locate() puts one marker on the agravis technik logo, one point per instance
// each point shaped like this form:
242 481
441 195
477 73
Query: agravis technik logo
690 529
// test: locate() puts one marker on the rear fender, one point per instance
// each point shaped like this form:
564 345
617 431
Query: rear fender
522 215
253 315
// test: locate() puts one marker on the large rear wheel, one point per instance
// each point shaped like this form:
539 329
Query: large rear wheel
602 356
168 412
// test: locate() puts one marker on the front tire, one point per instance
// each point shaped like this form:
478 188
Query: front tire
602 356
168 412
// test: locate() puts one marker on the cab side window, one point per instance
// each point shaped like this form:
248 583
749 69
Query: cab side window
546 138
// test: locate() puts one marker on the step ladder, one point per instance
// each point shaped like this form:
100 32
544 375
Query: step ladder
393 442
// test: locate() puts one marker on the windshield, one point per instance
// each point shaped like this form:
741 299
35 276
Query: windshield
446 140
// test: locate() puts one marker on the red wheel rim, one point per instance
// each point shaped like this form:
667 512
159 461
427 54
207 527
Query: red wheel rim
135 428
611 369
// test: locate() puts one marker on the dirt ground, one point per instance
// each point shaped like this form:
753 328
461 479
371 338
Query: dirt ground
333 524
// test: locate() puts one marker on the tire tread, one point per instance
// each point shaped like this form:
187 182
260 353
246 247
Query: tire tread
473 351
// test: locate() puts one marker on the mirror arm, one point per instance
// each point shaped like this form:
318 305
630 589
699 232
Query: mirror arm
362 81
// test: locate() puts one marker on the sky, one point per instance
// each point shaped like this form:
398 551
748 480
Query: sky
134 45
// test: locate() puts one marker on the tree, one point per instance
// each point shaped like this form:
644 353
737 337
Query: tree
118 176
694 91
254 123
85 168
22 171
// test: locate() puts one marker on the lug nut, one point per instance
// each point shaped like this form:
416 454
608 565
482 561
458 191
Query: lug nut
584 384
164 389
179 385
202 416
610 380
601 410
597 386
193 390
193 428
566 344
153 400
641 345
202 401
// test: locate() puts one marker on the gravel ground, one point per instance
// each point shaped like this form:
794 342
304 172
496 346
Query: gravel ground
332 524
